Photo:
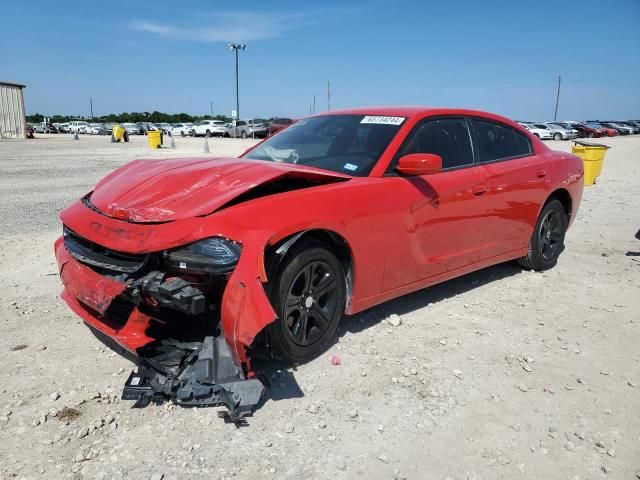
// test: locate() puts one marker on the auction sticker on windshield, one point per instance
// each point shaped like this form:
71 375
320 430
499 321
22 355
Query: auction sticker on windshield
382 120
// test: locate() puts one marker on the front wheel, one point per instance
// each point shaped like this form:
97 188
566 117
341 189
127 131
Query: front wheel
243 134
308 295
547 241
557 136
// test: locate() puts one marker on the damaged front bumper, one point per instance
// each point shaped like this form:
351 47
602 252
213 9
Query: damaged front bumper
199 371
207 377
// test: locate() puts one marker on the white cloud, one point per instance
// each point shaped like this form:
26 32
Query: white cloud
227 27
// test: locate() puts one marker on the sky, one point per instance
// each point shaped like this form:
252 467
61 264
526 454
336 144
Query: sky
500 56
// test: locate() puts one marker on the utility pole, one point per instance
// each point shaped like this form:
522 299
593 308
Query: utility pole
91 106
314 103
235 47
555 114
328 96
211 105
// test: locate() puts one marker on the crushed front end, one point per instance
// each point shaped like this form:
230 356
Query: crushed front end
165 308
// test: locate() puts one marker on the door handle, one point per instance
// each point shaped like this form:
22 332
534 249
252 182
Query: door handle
541 173
479 189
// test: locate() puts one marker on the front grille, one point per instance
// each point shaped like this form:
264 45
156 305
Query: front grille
98 256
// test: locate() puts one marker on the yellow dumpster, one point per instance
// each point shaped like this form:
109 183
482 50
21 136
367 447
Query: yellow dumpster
154 138
118 133
592 155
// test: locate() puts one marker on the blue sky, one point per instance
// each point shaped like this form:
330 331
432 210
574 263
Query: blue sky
501 56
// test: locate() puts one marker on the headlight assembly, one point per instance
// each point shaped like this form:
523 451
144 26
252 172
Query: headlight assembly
211 255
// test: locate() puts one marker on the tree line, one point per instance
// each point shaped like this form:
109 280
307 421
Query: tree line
133 117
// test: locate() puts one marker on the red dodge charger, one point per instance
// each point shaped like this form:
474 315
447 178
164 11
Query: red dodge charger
194 265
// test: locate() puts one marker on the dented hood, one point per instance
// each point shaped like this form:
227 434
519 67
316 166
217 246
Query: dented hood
174 189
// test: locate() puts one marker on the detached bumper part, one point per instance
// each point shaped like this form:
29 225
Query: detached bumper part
208 377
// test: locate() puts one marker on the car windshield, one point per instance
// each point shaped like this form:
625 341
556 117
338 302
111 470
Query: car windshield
350 144
595 125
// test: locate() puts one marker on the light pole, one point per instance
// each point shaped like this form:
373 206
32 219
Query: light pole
234 47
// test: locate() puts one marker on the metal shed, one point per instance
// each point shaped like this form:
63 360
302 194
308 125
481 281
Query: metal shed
12 114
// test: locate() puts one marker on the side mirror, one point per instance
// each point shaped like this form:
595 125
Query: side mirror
420 164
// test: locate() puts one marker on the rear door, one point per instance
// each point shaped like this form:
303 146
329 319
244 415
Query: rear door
444 215
518 181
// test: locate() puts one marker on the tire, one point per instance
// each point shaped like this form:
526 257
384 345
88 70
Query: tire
307 320
244 134
182 133
557 136
537 135
591 135
207 133
547 240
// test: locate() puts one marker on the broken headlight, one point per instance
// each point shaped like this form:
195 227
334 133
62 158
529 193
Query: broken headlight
211 255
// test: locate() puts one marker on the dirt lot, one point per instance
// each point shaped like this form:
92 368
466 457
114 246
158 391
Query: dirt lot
502 374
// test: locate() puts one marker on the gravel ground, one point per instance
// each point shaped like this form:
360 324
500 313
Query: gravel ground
501 374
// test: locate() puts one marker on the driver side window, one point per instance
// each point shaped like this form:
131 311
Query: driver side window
447 137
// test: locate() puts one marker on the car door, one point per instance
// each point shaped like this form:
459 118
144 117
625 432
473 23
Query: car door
518 181
443 215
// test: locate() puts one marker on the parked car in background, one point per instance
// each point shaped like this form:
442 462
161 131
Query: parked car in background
78 126
131 128
105 128
583 130
609 132
45 127
92 129
278 124
621 129
183 129
62 127
248 128
210 128
558 132
164 127
146 127
541 133
632 125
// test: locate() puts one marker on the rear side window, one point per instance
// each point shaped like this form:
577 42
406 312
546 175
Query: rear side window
497 142
447 137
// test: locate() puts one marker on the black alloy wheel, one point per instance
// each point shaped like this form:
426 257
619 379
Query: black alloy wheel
551 235
308 294
547 241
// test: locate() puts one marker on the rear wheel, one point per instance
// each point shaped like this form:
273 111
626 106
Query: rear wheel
308 295
591 135
244 134
547 241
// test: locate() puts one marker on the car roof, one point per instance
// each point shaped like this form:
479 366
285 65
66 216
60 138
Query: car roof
417 111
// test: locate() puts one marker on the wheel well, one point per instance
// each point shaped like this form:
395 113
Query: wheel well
277 252
565 198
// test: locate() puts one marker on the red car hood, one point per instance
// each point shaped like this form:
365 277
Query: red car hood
166 190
